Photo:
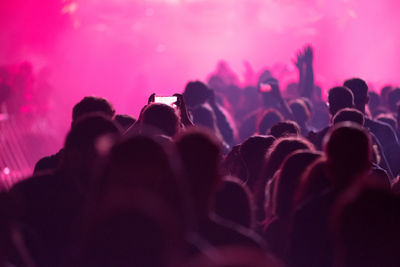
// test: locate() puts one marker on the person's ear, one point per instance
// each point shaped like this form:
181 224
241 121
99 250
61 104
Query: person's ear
367 100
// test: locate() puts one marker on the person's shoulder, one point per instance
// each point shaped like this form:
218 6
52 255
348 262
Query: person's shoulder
34 185
370 123
48 162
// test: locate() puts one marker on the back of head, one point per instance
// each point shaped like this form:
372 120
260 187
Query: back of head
81 149
284 129
348 150
300 111
85 132
234 202
162 117
340 97
359 88
393 99
196 93
138 161
253 152
268 119
200 153
91 104
281 149
288 180
349 114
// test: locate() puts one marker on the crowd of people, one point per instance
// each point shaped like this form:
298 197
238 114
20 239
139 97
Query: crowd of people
225 176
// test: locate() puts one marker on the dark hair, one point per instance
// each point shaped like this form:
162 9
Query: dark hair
196 93
268 119
162 117
349 151
300 110
340 97
359 88
349 114
253 152
90 104
288 180
284 129
234 202
281 148
200 153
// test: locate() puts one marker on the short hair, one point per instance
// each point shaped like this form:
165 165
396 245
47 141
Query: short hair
268 119
359 88
348 149
300 110
284 129
340 97
349 114
196 93
87 129
92 104
281 148
234 193
200 152
162 117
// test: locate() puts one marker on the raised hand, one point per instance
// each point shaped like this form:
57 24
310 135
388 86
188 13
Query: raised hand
308 54
181 105
299 61
151 98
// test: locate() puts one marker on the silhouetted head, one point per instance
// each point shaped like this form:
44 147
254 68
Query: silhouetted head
288 180
162 117
91 104
359 88
339 97
196 93
200 153
349 114
366 228
284 129
280 150
125 121
300 111
393 99
253 152
234 202
138 161
83 144
268 119
349 152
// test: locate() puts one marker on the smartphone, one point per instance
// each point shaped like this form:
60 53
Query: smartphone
265 87
168 100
